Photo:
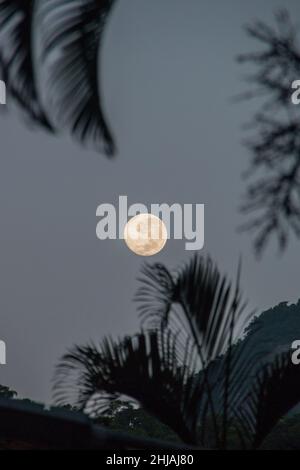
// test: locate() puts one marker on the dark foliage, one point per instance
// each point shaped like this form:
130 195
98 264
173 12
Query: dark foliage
6 392
17 61
123 416
72 34
144 367
274 198
285 436
276 391
185 367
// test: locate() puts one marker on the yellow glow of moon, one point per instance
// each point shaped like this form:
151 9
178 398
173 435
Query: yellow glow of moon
145 234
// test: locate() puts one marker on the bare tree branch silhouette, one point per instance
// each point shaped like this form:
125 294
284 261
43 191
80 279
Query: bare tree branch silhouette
273 194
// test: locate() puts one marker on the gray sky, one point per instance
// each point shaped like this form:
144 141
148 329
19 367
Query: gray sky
169 74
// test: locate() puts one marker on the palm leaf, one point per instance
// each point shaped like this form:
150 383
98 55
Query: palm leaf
144 367
211 309
172 369
71 38
209 303
275 391
17 62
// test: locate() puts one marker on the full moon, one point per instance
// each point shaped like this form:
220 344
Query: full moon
145 234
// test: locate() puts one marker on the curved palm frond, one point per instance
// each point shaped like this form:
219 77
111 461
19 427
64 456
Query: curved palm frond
211 313
144 367
71 38
163 368
275 391
211 306
17 62
173 370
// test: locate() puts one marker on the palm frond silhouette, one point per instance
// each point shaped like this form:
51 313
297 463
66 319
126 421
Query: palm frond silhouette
17 62
71 38
182 366
275 392
144 367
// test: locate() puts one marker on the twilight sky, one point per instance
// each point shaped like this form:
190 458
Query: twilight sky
168 76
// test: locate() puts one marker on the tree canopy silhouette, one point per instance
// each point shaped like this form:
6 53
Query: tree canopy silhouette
181 366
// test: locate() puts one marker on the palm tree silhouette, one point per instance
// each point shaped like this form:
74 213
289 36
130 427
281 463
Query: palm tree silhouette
71 36
182 366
